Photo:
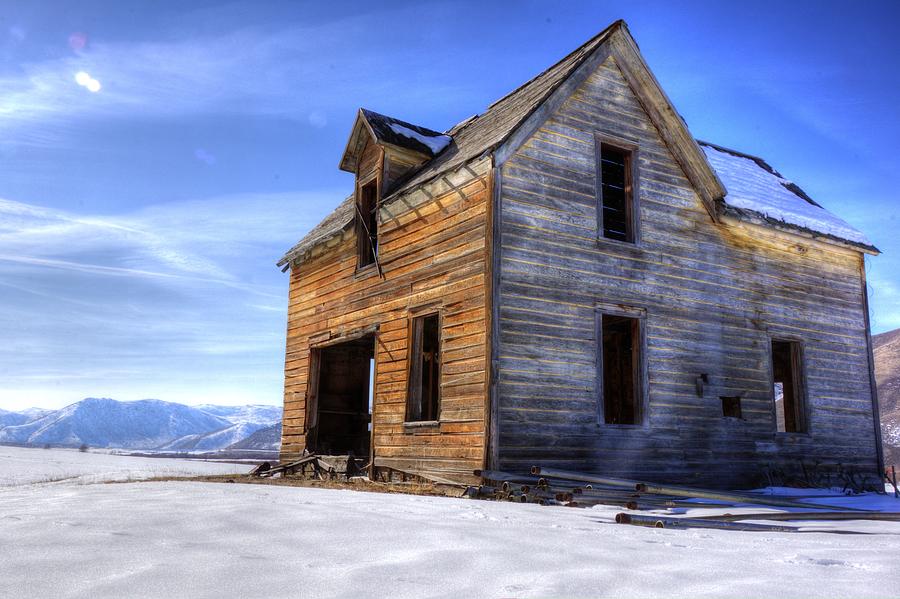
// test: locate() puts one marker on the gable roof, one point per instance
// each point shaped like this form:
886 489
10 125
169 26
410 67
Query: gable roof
488 132
758 191
482 133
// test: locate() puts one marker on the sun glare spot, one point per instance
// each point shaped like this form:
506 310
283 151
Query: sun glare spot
85 80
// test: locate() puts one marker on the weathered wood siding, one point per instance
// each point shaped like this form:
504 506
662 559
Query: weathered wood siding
433 252
713 293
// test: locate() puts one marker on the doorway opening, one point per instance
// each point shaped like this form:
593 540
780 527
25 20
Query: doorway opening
339 402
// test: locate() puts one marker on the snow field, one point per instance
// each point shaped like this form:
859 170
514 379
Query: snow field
186 539
24 465
191 539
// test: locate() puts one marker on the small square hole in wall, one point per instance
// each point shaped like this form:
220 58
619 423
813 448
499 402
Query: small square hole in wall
731 407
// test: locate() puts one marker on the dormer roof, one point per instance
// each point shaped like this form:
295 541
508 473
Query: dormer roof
391 132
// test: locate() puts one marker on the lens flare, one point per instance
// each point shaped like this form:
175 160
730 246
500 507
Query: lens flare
85 80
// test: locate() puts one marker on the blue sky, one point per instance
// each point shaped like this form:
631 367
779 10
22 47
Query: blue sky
140 223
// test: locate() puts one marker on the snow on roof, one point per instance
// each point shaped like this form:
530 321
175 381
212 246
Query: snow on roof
387 129
755 186
435 143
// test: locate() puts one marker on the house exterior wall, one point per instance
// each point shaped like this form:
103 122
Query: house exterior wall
713 294
433 252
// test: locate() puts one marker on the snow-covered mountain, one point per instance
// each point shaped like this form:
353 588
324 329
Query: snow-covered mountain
218 439
145 424
256 414
264 438
12 418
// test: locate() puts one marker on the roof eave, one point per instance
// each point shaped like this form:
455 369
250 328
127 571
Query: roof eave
743 215
293 255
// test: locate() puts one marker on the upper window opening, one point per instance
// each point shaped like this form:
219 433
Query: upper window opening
787 392
367 223
616 193
425 369
620 365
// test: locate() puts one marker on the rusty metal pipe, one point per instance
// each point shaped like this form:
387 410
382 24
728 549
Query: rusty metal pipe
580 477
800 516
605 493
664 522
732 497
588 502
499 476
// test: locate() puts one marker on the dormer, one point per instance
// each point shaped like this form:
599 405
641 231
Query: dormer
382 151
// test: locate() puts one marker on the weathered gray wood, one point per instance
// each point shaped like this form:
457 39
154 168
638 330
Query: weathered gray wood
714 295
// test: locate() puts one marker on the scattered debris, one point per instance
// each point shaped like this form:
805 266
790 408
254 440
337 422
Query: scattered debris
549 486
315 466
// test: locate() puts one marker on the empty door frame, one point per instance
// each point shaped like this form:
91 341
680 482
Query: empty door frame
640 361
317 352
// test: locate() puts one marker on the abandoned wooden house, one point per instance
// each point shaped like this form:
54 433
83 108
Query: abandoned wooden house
570 279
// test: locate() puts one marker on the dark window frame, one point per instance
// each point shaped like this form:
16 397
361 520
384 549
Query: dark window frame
641 378
632 186
801 394
413 367
364 243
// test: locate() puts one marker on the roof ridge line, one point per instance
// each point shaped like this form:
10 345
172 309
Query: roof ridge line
605 31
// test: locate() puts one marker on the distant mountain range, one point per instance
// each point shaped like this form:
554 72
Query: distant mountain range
149 424
152 424
886 348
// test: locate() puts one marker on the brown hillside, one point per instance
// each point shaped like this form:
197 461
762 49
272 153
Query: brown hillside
887 375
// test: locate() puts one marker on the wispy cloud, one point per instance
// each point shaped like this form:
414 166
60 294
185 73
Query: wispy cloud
178 300
299 71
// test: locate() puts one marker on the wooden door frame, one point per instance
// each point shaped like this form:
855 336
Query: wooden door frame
322 342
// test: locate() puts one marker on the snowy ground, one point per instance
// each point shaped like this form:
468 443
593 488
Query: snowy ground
186 539
23 465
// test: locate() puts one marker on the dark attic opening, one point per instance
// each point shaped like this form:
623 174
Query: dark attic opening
620 367
788 393
367 223
425 367
339 401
